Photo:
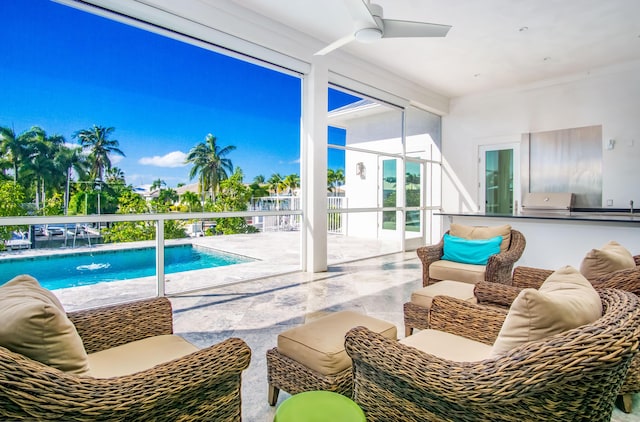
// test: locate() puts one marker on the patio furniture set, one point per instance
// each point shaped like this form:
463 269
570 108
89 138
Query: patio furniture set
538 345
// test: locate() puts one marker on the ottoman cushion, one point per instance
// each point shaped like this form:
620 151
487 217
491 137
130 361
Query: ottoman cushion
319 345
457 289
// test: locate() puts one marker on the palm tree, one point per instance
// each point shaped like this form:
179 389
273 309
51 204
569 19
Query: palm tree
259 179
115 176
191 200
210 164
39 164
98 145
69 159
335 179
157 185
168 196
291 182
275 183
12 147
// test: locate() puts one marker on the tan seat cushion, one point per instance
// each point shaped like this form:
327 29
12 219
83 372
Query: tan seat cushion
457 289
478 232
448 346
601 262
449 270
34 324
565 300
319 345
138 356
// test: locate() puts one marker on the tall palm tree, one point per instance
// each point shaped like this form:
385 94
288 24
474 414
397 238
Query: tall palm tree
259 179
96 142
12 147
210 164
39 164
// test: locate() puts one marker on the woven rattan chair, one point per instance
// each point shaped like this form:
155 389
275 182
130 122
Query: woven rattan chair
574 375
527 277
204 385
498 268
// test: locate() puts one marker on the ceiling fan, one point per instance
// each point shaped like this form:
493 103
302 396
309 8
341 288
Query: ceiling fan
371 26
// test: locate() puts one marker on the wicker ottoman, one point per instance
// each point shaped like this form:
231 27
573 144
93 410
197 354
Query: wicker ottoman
416 312
312 356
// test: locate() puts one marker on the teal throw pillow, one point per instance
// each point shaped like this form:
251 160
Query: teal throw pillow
470 251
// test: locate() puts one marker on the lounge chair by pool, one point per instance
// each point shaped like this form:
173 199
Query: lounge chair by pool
19 240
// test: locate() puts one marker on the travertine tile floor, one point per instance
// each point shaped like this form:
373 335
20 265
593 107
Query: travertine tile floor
258 311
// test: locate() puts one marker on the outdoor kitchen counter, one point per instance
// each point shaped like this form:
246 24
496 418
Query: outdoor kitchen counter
574 216
555 240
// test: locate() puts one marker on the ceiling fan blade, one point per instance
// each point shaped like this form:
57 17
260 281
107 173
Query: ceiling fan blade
407 29
360 13
336 44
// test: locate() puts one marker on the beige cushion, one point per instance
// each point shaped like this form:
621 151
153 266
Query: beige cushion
449 270
138 356
600 262
319 345
35 325
457 289
448 346
477 232
565 300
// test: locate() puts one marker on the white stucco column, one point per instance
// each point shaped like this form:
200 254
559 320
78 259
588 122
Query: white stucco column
314 166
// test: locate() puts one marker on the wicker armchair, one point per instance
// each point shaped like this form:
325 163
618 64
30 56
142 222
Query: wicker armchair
527 277
574 375
498 269
204 385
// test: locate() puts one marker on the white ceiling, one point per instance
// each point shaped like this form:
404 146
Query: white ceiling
486 48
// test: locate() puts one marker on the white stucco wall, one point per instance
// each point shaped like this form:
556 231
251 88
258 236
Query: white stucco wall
609 97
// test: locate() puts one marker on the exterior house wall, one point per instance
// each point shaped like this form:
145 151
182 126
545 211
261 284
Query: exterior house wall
381 133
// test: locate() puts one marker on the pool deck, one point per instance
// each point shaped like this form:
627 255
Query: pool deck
274 253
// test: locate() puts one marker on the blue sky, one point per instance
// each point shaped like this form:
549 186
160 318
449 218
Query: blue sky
66 70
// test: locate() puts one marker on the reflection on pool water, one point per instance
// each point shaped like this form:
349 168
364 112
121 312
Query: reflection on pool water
81 269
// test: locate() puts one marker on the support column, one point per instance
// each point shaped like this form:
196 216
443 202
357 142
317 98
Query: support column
314 166
160 287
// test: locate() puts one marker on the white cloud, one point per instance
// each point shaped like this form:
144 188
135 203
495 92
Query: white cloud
172 159
296 161
115 159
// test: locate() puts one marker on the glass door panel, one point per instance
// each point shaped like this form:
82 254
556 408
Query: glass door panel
497 185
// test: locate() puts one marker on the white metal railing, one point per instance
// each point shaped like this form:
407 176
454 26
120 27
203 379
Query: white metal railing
336 223
159 219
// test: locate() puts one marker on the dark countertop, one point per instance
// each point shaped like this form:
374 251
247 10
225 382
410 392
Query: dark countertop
573 216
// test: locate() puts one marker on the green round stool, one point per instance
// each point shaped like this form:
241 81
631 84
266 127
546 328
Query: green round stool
319 406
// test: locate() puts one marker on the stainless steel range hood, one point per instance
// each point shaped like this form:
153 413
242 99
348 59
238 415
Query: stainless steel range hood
565 160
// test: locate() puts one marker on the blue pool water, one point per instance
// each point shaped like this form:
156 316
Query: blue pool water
80 269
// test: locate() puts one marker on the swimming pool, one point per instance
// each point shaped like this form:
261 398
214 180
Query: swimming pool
81 269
